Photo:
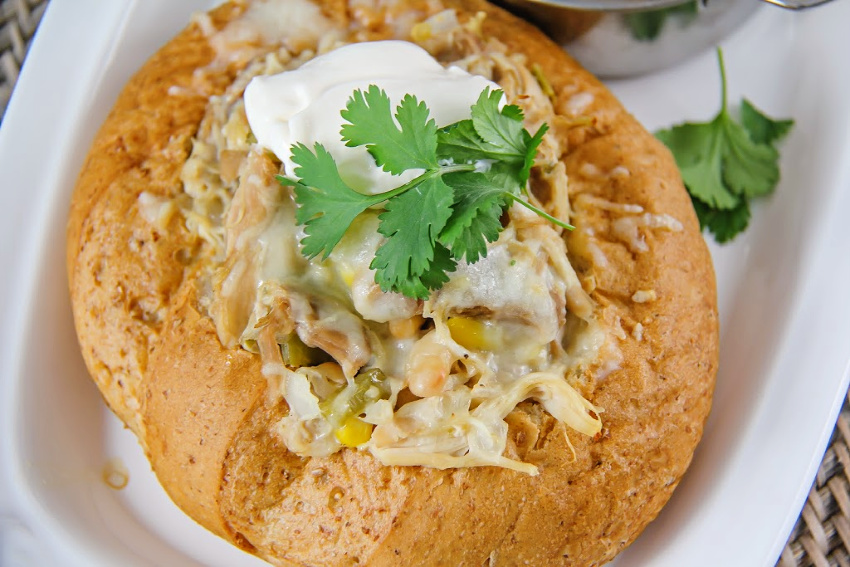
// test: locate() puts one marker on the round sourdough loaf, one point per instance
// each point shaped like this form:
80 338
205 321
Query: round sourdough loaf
203 413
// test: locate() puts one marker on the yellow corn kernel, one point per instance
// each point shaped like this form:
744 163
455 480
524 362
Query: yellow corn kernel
354 432
473 334
421 32
347 276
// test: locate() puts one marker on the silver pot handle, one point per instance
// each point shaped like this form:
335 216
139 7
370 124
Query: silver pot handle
796 4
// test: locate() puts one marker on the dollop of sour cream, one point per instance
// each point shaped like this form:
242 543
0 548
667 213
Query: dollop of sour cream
303 105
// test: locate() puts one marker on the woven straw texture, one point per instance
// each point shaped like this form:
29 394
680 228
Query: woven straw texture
822 534
18 21
821 537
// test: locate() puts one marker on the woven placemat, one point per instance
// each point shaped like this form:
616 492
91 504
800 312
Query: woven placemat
18 21
821 536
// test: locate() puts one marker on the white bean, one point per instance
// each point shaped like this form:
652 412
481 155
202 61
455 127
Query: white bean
428 367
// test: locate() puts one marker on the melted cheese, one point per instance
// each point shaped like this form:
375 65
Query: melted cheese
296 23
625 229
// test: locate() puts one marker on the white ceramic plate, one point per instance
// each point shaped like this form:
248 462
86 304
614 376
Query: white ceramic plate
783 291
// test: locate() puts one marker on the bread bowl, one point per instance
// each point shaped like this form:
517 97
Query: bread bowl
143 276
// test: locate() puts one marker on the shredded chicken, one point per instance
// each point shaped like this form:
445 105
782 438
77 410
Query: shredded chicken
514 326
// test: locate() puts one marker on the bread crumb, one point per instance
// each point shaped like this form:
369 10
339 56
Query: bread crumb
589 170
637 332
578 103
644 296
617 329
620 172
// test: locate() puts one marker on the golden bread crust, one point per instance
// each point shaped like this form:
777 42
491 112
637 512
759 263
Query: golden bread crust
121 270
202 413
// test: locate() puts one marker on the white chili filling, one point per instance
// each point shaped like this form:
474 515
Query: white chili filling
415 383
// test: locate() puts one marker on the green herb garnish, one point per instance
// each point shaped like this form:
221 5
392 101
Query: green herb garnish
646 25
473 170
725 163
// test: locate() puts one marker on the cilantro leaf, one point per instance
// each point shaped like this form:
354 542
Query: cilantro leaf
502 136
409 250
698 149
471 172
475 220
420 287
761 128
437 273
463 141
532 143
460 143
750 169
327 206
725 163
646 25
724 225
370 124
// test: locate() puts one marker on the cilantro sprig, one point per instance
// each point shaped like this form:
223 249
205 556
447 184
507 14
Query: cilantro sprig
473 170
725 163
